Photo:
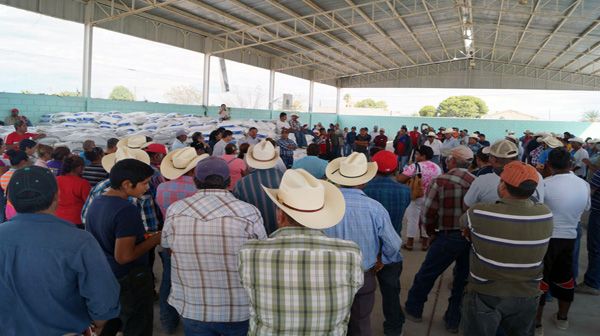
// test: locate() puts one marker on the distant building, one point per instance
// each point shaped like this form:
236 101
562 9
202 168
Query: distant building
509 115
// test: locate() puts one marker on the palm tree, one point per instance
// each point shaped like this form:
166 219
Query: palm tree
591 116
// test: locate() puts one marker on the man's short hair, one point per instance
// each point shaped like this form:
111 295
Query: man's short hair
112 143
312 150
481 135
212 182
482 156
559 158
227 133
426 151
252 129
129 170
525 190
19 123
94 154
88 145
230 149
282 114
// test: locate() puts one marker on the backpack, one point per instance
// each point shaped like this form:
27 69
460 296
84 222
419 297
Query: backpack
416 184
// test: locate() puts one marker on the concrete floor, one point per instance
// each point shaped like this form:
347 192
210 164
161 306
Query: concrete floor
584 316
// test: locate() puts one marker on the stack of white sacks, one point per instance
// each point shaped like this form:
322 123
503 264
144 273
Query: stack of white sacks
72 129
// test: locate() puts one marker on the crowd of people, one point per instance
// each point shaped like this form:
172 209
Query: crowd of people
254 242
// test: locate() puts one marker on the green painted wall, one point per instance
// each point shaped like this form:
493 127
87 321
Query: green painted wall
34 106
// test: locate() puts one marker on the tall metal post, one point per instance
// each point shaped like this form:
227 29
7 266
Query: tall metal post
271 89
337 100
311 96
88 30
208 44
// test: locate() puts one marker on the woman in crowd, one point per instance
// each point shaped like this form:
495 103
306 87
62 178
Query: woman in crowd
58 155
18 160
44 153
237 166
94 173
73 190
428 170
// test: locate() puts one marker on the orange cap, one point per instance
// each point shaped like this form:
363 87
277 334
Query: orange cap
518 172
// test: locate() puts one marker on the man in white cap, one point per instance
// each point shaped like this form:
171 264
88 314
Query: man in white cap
441 214
205 233
180 138
484 188
449 143
300 282
178 166
579 155
473 143
367 223
435 144
263 158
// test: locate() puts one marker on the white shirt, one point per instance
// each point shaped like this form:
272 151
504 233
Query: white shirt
578 157
568 196
448 145
485 190
249 140
435 146
177 144
279 125
219 149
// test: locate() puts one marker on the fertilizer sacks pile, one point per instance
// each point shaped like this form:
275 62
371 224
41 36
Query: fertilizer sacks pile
72 129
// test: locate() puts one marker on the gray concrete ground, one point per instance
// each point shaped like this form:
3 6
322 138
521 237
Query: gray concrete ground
584 317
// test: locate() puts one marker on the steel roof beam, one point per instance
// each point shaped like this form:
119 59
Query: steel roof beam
409 30
573 43
132 10
435 28
328 35
533 12
497 29
571 9
595 47
373 23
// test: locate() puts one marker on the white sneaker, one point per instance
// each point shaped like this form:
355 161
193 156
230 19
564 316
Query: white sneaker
582 288
560 324
539 331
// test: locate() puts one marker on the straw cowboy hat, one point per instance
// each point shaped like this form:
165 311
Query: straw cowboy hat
448 131
109 160
352 170
552 142
179 162
134 142
431 134
577 139
262 155
313 203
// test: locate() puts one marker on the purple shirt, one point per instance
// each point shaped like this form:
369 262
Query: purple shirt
55 167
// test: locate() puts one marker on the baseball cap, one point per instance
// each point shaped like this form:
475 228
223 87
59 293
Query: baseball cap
461 152
180 133
387 161
517 173
14 110
502 149
156 148
30 186
212 166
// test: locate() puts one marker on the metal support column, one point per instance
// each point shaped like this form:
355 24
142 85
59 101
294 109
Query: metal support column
311 96
88 29
208 44
337 100
271 89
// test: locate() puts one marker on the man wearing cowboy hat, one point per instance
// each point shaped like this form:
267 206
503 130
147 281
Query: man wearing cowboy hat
299 131
205 233
301 282
263 159
579 155
180 138
435 144
484 188
441 214
178 166
473 143
367 223
448 144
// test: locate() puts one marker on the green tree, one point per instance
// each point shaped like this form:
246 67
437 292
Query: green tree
462 107
591 116
427 111
347 98
66 93
26 92
371 103
120 92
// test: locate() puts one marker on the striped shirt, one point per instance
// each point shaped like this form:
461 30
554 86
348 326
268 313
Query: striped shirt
94 174
509 241
5 179
173 191
249 190
394 196
595 184
444 204
300 282
283 147
205 233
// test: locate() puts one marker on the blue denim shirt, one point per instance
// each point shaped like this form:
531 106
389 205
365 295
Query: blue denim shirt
394 196
54 279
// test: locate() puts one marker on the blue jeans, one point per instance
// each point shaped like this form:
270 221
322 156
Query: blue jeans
347 149
169 317
592 276
402 161
389 285
300 139
199 328
448 247
576 252
435 159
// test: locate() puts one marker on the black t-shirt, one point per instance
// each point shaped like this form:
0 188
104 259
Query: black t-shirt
109 218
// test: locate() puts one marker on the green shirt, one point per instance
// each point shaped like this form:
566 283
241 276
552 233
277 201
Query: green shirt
509 241
300 282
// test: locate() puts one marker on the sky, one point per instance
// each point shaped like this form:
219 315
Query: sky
42 54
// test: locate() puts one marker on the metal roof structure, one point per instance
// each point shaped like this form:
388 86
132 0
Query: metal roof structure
512 44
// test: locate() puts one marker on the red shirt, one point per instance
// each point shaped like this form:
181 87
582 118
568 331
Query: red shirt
380 141
72 193
15 138
414 136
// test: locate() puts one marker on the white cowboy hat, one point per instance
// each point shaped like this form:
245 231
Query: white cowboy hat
262 155
431 134
474 136
352 170
134 142
577 139
179 162
313 203
552 142
109 160
448 131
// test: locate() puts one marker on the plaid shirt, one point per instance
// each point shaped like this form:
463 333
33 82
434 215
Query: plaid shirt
444 203
283 147
150 213
300 282
205 233
173 191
